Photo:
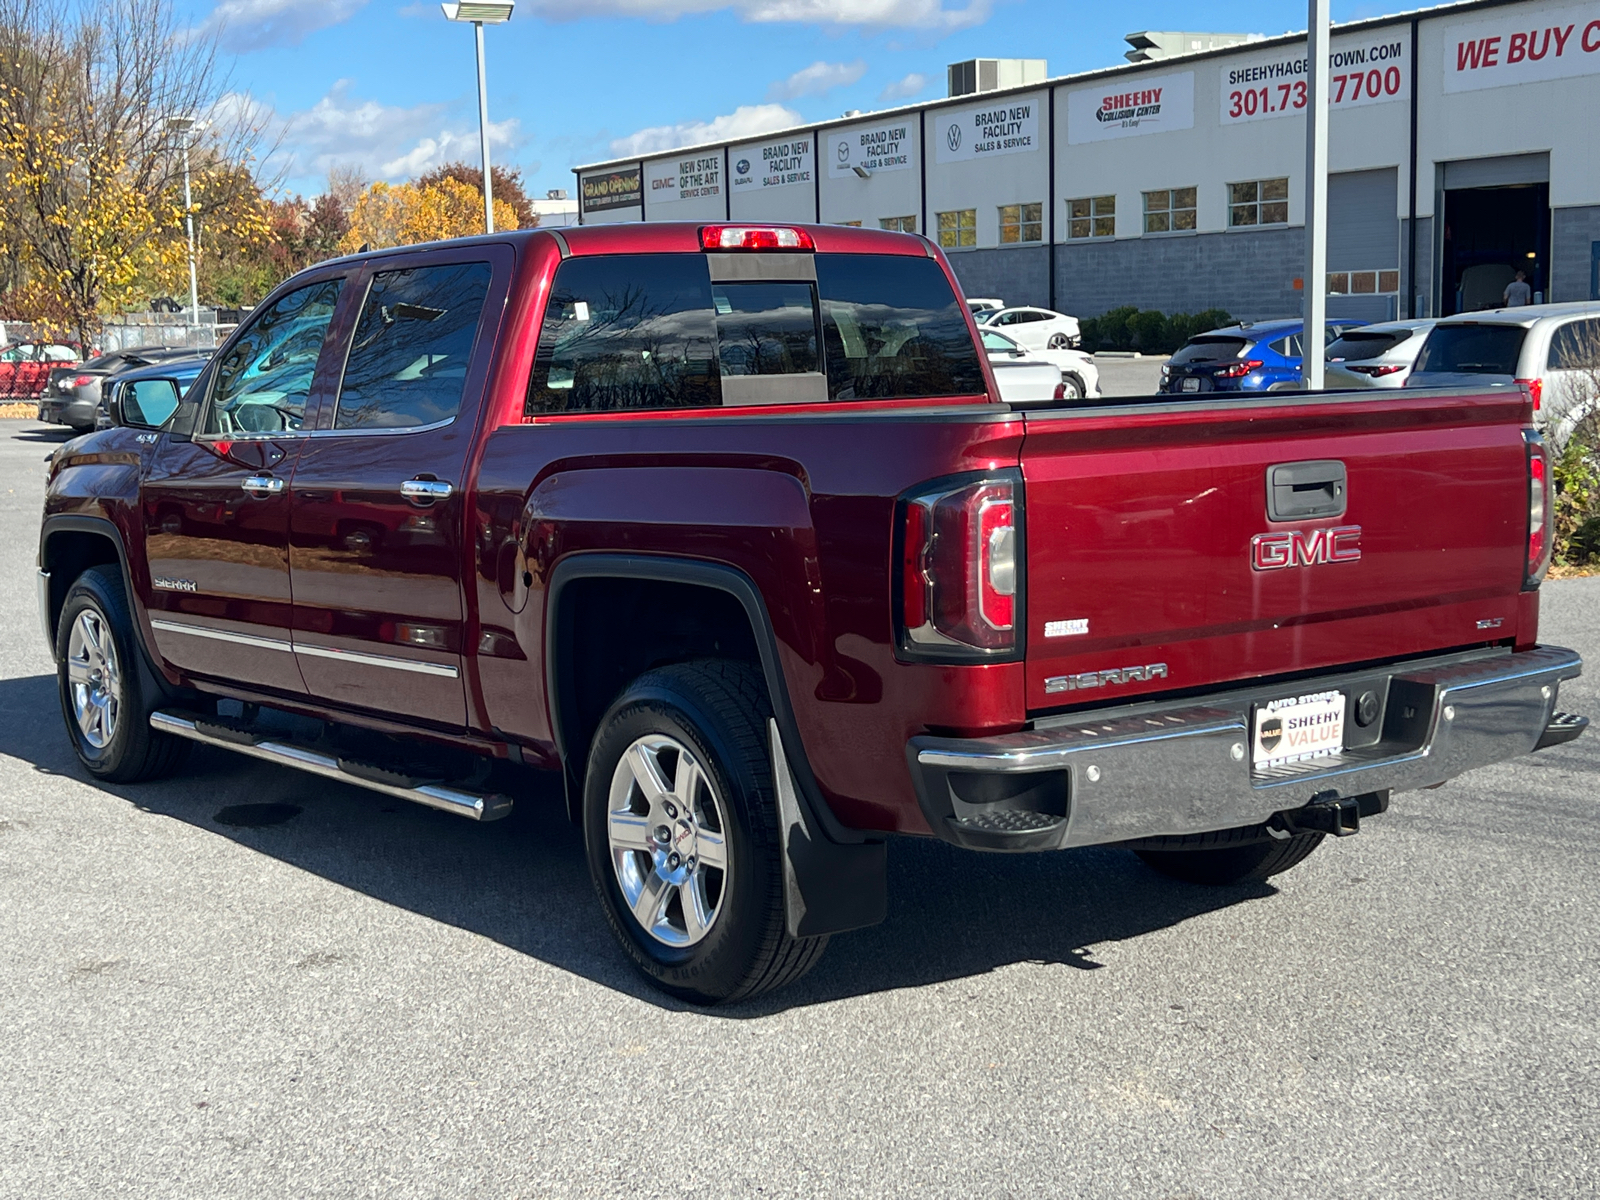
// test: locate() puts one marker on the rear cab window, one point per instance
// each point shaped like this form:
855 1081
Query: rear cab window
1472 349
1209 349
642 332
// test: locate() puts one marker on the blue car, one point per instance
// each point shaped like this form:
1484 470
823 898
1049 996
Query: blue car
183 371
1253 356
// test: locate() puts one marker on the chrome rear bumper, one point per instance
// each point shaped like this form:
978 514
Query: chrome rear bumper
1170 768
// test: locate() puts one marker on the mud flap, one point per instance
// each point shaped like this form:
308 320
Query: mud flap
827 887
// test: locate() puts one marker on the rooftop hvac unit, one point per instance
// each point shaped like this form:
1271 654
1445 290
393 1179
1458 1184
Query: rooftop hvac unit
993 74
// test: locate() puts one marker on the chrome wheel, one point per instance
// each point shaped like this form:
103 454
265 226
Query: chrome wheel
94 678
668 840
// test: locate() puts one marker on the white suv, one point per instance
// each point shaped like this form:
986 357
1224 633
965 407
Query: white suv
1552 349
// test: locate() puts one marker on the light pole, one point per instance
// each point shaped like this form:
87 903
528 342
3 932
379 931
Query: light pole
186 127
1315 285
481 13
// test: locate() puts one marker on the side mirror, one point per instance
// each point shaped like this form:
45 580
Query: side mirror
145 403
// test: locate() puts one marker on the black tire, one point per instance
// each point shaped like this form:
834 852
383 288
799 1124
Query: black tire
1073 387
718 711
133 752
1214 861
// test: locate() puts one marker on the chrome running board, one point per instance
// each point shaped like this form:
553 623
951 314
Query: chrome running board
476 806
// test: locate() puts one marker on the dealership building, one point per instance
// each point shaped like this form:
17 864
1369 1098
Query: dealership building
1460 151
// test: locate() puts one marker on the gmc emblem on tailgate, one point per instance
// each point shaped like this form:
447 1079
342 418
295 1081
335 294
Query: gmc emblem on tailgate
1305 547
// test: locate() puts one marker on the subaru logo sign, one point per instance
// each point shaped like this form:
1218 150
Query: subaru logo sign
742 166
952 137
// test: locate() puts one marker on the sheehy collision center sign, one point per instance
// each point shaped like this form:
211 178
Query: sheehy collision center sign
962 134
1372 69
772 164
1130 107
685 178
874 149
1521 47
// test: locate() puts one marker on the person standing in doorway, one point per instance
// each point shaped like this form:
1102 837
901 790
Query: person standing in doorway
1518 292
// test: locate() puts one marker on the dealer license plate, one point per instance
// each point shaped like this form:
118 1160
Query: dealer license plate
1191 384
1297 728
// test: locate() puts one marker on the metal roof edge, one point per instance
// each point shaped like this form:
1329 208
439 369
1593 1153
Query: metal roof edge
1283 39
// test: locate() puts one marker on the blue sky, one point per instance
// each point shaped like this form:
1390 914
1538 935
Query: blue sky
389 86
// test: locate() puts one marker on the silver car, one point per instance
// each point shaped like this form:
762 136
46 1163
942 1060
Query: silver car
1551 349
1376 356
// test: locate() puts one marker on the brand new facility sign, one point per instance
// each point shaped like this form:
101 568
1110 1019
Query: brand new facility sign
1130 106
874 149
1000 127
771 164
1521 45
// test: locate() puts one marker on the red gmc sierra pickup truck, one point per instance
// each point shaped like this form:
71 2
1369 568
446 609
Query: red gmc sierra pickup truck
727 525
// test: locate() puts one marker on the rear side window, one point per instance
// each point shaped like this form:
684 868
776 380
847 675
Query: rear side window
1576 346
412 346
1472 349
893 329
1356 346
1209 349
652 331
627 332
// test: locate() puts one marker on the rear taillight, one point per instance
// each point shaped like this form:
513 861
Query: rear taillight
1538 561
1239 370
1375 372
754 237
1535 388
83 381
1061 390
961 569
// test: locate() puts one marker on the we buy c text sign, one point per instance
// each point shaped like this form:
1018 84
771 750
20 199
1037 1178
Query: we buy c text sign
1522 46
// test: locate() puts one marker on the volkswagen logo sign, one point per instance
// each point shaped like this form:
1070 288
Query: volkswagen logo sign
952 137
844 152
742 166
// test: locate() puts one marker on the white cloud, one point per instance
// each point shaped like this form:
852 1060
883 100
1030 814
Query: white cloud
745 121
816 80
904 89
246 25
386 141
926 15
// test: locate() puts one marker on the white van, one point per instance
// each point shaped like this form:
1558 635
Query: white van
1552 349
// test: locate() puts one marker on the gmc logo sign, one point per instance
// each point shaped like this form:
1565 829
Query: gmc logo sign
1305 547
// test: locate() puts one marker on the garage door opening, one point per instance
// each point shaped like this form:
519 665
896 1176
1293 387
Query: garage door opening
1496 223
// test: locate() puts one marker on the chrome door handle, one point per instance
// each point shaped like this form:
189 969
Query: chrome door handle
425 491
261 486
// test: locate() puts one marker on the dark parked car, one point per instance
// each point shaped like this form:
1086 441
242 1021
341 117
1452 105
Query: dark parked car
1253 356
72 396
123 391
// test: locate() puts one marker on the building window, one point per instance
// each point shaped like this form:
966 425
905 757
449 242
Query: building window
1260 202
1093 216
1021 223
898 224
851 224
958 229
1363 283
1169 210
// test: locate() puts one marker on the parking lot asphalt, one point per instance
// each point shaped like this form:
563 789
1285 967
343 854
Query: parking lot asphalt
373 999
1129 376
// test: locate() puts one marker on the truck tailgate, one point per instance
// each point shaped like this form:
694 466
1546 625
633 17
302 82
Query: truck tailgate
1143 574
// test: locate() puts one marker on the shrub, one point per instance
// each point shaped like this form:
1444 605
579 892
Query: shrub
1576 476
1147 331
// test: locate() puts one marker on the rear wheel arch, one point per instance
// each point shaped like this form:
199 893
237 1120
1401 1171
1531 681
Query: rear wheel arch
735 620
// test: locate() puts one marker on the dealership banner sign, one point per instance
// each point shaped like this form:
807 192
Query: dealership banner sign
1127 107
1517 45
771 165
612 189
963 134
1370 69
669 180
875 149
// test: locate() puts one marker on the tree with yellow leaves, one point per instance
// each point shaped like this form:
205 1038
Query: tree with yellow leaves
407 213
91 209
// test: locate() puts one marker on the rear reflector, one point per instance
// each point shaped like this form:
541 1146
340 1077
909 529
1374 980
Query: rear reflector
754 237
960 569
1539 542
